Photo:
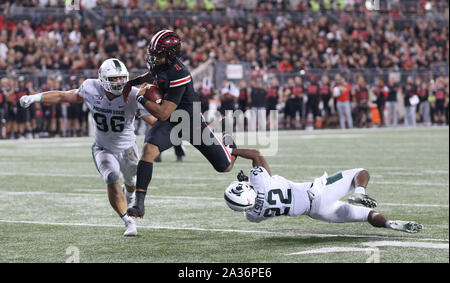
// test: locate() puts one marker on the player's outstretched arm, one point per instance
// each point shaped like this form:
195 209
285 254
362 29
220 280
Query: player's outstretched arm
254 155
51 97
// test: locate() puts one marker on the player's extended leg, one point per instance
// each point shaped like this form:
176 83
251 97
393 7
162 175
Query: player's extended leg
108 166
360 182
144 174
378 220
215 151
128 160
157 139
336 187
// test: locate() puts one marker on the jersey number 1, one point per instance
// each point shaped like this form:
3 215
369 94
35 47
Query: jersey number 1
115 122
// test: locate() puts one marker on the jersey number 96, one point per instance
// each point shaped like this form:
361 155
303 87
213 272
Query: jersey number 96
116 123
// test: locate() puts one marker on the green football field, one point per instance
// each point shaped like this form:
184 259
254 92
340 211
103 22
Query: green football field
54 206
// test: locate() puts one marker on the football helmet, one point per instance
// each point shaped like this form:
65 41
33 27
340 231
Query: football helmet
113 75
240 196
164 43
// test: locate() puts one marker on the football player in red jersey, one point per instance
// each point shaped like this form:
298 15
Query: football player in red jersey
175 81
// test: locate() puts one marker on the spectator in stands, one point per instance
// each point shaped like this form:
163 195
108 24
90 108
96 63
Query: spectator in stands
2 114
258 106
273 96
312 91
291 99
391 103
440 95
361 95
325 95
409 93
424 104
342 92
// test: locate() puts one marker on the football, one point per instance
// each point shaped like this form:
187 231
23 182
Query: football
153 93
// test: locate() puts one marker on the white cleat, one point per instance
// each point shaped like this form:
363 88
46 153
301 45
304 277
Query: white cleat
362 199
131 197
406 226
131 230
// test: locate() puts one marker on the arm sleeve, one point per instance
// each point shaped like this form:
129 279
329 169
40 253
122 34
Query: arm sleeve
259 178
175 94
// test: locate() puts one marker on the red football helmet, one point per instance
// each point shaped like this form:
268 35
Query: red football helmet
166 43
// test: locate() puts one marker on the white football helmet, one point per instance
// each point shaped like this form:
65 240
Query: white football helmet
240 196
113 75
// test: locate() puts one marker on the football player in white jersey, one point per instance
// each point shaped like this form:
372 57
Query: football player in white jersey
262 196
114 150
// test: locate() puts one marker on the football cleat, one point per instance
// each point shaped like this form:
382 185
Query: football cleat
131 197
406 226
228 141
136 211
362 199
130 229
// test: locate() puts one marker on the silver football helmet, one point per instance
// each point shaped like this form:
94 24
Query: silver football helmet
240 196
113 75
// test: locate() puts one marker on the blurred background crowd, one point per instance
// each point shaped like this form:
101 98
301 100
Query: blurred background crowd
319 63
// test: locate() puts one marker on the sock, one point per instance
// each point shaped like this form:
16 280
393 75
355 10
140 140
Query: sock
126 219
144 175
360 190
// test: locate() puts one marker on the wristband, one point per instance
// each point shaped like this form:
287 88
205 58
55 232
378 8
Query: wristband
37 97
141 99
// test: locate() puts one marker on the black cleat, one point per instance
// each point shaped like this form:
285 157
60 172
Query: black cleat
228 141
136 211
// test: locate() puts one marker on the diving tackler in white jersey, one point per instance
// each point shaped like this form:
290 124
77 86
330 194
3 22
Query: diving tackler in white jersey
262 196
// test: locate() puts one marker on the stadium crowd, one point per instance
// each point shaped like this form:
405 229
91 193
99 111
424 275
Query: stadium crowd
279 45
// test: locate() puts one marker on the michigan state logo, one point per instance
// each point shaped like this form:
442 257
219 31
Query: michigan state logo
238 190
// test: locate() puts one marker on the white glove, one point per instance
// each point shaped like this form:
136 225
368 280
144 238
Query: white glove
27 100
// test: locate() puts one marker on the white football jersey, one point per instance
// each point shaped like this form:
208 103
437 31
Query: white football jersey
114 119
276 196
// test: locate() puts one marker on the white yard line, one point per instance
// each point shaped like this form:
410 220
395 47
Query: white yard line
406 244
331 250
215 178
373 247
96 192
304 234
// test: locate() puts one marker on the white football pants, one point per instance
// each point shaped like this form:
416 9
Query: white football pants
110 164
326 206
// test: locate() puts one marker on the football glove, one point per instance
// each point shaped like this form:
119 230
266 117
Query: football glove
242 177
27 100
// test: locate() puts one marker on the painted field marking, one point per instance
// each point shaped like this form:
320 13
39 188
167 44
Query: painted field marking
216 178
406 244
97 192
305 234
373 246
